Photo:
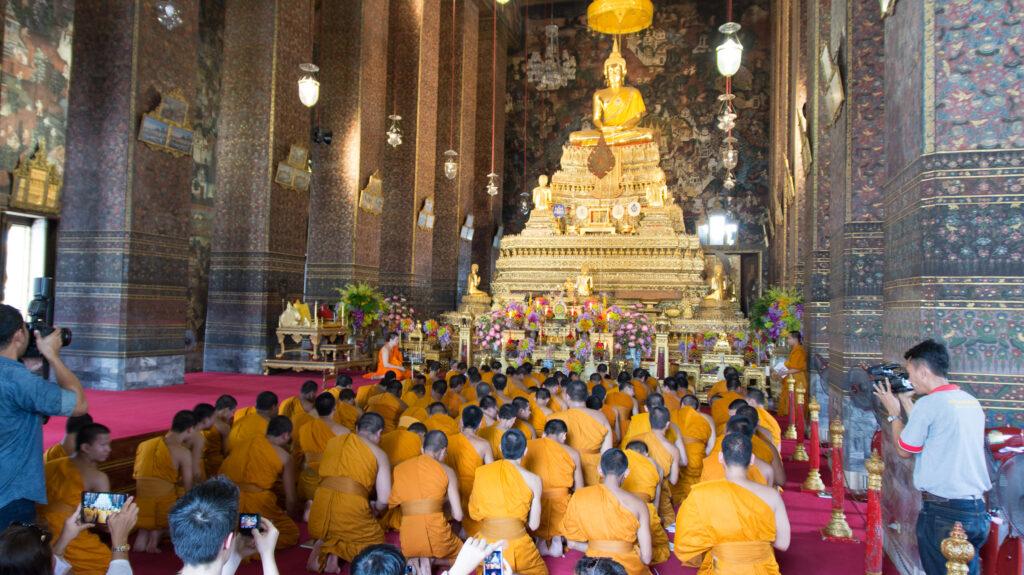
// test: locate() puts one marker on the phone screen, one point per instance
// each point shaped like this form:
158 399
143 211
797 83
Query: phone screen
247 522
98 506
493 563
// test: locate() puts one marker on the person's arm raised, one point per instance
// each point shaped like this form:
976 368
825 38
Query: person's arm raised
49 348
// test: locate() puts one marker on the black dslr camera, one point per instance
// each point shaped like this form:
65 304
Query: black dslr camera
898 377
40 316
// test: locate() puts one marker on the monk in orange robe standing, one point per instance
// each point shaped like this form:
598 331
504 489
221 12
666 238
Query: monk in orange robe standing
729 526
253 424
439 420
66 446
589 431
421 487
756 399
720 407
467 451
493 434
66 479
388 405
796 365
163 470
255 467
645 480
342 516
560 470
389 358
506 501
313 438
698 436
607 521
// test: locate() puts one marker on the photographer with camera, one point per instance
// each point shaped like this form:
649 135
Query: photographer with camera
945 434
24 397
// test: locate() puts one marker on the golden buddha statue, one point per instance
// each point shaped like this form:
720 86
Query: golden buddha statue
584 283
617 110
473 281
542 194
719 284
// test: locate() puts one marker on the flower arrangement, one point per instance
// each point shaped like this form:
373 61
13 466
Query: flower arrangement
634 334
514 313
585 323
778 311
582 349
574 366
362 302
487 330
444 336
398 314
533 321
430 328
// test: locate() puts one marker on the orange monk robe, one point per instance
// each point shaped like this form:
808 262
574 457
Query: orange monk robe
556 468
247 428
623 404
468 395
501 493
365 392
642 481
640 391
442 422
493 435
242 412
641 424
313 440
661 456
255 467
487 377
768 421
293 410
714 469
449 375
720 388
586 435
156 483
526 428
538 419
387 406
395 358
797 360
346 414
453 402
596 516
420 490
213 451
672 401
410 399
614 417
401 445
720 408
464 459
727 530
55 452
87 554
340 515
555 406
696 435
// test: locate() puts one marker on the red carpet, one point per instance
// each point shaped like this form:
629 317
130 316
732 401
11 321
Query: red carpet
131 413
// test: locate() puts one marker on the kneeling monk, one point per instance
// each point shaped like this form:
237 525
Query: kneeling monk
608 521
422 485
255 466
560 470
342 516
729 526
506 500
163 469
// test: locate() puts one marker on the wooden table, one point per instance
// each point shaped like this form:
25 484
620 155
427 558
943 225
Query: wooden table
316 334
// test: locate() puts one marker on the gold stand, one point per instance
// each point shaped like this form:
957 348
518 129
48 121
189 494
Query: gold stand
788 386
800 452
813 481
837 527
957 550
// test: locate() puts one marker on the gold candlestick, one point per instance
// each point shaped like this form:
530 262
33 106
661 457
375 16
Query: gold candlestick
800 452
957 550
837 526
789 384
813 481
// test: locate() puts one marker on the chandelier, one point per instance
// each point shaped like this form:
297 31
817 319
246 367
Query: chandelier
556 69
728 58
168 14
394 132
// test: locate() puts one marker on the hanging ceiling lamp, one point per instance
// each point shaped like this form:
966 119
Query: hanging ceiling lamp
168 14
451 163
309 86
619 16
729 53
492 178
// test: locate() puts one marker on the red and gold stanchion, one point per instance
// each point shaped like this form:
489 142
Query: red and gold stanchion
788 385
838 530
800 452
874 550
813 481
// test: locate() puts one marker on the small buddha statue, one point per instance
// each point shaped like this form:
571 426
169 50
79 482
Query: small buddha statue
542 194
473 281
569 287
617 109
717 283
584 283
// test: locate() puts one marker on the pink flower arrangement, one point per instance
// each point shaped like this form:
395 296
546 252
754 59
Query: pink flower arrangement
398 314
634 333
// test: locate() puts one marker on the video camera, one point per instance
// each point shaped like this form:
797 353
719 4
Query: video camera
40 316
898 377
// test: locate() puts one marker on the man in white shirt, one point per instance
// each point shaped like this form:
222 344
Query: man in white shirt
945 434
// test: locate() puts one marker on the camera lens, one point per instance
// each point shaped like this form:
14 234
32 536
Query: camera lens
65 336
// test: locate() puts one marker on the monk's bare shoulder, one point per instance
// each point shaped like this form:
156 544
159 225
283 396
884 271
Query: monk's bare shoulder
575 455
632 502
382 458
532 480
769 495
600 417
340 429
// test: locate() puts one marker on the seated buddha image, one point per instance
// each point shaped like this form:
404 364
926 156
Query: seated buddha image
617 109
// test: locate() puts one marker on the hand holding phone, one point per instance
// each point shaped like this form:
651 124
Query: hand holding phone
248 522
97 506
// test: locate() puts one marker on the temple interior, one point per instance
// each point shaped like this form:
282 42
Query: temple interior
272 188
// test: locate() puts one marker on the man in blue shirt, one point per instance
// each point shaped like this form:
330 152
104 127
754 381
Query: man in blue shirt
945 434
24 399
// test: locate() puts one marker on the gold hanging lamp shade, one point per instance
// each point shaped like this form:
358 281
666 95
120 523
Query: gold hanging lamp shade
619 16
